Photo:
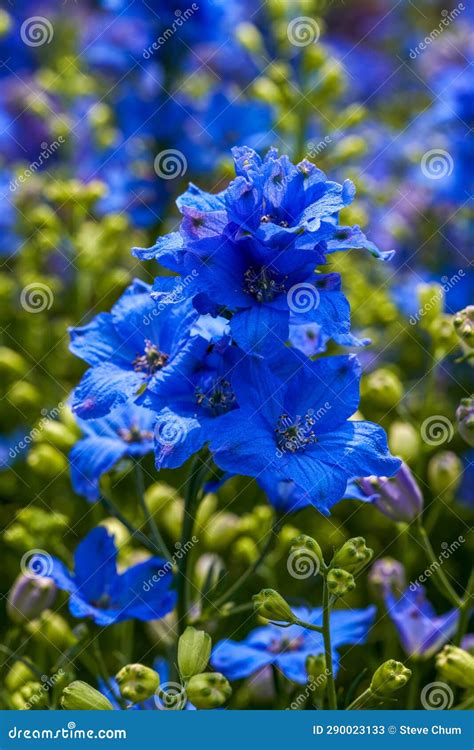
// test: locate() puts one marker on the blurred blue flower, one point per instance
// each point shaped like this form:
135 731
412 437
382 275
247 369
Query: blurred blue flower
98 591
421 631
288 648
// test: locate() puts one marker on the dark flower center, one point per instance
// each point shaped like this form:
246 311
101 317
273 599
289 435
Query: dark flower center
283 645
151 361
218 399
103 602
262 285
295 435
134 434
269 218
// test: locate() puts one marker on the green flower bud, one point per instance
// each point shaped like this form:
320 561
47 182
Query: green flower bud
194 650
208 690
340 582
269 604
58 434
52 629
30 696
463 322
404 441
23 395
79 696
221 531
431 301
12 364
445 471
17 676
46 461
137 682
353 555
249 37
245 550
317 676
266 90
304 546
382 389
29 597
171 517
457 666
158 496
443 335
350 147
389 677
465 420
5 22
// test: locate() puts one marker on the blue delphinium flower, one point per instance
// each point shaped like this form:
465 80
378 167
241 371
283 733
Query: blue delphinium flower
98 591
130 348
126 431
297 429
288 648
422 632
191 407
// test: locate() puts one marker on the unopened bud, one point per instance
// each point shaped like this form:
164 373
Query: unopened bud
30 696
208 690
270 604
29 597
194 650
317 675
457 666
389 677
353 555
52 629
404 440
463 322
79 696
382 388
445 473
340 582
17 676
465 420
137 682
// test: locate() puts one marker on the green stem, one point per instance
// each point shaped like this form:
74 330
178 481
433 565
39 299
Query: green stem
237 585
332 699
309 626
150 521
444 584
465 610
199 470
112 509
414 689
361 701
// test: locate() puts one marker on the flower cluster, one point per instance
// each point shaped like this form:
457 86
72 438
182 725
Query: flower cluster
227 361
